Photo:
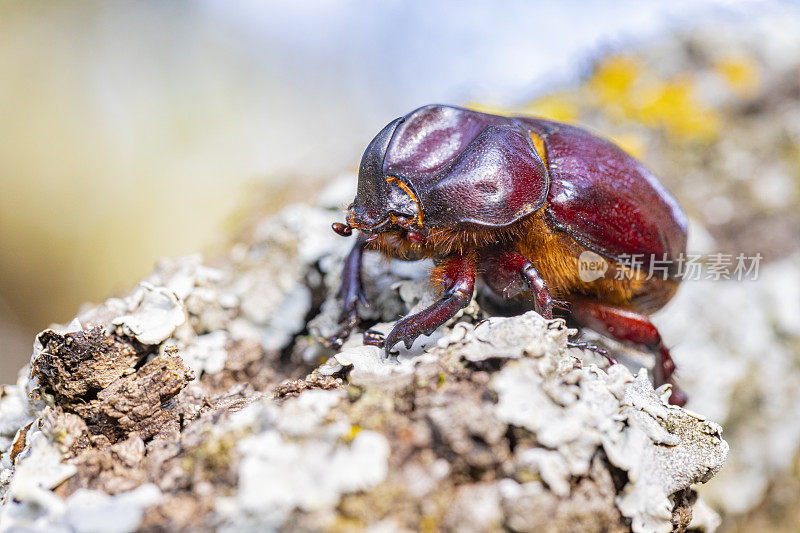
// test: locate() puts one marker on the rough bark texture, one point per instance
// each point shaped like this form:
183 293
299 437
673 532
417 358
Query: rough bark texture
75 366
196 402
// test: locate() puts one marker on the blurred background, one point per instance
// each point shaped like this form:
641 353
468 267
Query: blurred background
132 131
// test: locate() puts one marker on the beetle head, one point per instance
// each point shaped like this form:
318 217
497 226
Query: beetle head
385 203
443 166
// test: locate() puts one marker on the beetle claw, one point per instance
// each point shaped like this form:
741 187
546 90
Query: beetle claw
405 331
374 338
678 397
592 348
388 356
336 340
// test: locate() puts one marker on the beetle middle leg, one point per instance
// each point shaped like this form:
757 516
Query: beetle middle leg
507 273
457 273
630 327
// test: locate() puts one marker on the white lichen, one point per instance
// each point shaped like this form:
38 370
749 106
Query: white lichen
92 511
295 460
737 362
154 315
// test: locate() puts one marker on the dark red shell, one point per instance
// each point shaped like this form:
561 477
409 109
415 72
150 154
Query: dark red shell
474 168
605 199
464 167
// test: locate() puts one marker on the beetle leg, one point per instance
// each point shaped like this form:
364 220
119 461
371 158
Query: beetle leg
351 292
504 271
630 327
458 274
594 349
374 338
542 301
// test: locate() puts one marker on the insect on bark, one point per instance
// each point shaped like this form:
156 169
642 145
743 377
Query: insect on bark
516 200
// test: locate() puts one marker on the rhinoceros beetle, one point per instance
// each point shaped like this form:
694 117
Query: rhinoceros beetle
517 200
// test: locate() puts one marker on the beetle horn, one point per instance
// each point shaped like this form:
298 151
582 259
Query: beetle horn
372 160
370 205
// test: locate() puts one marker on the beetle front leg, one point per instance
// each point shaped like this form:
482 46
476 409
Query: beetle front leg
458 275
351 292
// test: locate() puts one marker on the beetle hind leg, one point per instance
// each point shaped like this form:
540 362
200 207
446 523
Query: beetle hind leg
594 349
632 328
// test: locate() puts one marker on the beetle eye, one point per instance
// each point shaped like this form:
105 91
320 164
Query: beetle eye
415 237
